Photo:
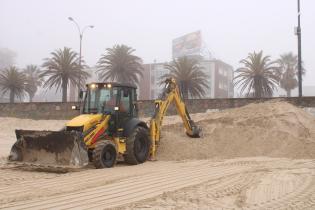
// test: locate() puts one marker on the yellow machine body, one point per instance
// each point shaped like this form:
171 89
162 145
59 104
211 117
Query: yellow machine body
86 135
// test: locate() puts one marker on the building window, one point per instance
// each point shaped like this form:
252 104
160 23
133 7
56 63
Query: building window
220 71
223 86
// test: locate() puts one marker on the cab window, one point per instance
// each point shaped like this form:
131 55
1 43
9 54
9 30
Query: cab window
100 100
125 100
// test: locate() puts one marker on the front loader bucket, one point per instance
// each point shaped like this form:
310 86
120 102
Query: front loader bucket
65 148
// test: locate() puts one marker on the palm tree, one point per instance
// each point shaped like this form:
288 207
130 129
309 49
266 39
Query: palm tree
32 73
288 71
120 65
189 75
258 76
62 69
12 81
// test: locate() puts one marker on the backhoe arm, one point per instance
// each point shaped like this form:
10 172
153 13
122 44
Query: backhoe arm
170 93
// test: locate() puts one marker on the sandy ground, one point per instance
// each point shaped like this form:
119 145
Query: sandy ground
251 183
256 157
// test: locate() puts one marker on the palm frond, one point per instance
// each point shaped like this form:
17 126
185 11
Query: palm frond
63 68
258 77
288 71
120 65
13 81
188 74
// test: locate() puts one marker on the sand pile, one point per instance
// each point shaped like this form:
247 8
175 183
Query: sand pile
275 129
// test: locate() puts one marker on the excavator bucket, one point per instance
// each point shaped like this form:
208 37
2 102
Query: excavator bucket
196 131
61 148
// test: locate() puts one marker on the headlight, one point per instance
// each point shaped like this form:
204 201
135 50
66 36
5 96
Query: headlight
93 86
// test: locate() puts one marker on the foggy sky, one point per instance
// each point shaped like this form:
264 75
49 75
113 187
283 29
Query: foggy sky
230 28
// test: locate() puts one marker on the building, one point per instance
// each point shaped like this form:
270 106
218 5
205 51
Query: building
144 89
149 87
219 74
219 77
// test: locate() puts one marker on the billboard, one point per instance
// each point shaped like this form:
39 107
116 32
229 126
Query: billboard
189 44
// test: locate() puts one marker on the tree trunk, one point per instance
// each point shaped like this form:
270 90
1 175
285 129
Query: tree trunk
31 98
257 89
288 93
185 94
257 93
12 96
184 89
64 90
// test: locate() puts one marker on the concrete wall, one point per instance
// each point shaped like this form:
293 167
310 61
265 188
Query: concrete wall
56 110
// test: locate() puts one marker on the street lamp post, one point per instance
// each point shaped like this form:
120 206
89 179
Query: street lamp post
81 31
299 50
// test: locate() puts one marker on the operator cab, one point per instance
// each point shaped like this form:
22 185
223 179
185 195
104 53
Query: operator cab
109 98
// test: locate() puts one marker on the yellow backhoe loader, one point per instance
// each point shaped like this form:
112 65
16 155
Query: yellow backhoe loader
106 130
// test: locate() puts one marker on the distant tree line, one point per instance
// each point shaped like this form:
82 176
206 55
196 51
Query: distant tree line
258 76
62 69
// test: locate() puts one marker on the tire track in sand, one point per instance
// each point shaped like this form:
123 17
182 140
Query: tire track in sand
278 184
92 178
132 189
269 184
285 189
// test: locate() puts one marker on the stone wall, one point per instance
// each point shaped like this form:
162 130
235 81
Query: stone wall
55 110
38 110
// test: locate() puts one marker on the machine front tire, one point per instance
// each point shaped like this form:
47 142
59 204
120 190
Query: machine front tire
104 154
137 146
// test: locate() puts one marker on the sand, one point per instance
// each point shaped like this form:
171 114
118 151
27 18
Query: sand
247 183
274 129
255 157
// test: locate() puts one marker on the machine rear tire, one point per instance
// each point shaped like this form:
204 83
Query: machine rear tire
104 154
137 146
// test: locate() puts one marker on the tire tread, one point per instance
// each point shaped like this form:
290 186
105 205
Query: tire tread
130 157
97 160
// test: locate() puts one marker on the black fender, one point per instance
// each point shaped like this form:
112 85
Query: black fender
131 124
